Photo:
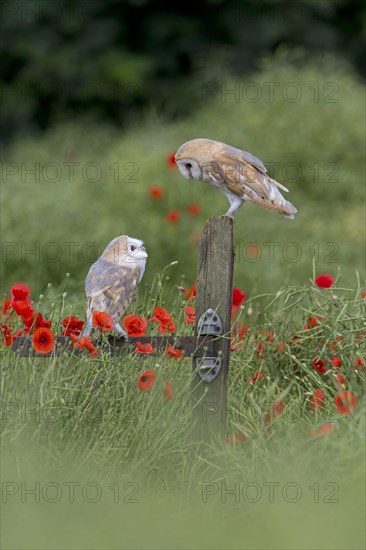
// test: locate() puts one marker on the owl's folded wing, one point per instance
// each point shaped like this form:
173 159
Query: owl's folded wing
106 278
247 158
101 276
250 182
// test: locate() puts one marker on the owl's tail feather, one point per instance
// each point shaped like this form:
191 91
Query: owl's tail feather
278 184
273 201
285 207
281 207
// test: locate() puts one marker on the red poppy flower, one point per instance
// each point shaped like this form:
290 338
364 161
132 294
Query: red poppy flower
318 365
278 407
345 402
173 216
168 391
238 297
314 321
41 322
317 399
7 334
336 344
73 326
194 209
336 362
323 430
275 411
146 380
281 347
156 192
363 294
238 438
102 320
340 378
75 340
240 330
167 328
20 291
134 325
358 363
174 353
324 281
85 343
31 323
7 305
43 340
161 315
259 350
170 160
191 292
191 315
22 307
146 349
270 337
257 376
253 249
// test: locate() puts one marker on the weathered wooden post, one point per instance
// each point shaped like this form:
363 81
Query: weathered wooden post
213 316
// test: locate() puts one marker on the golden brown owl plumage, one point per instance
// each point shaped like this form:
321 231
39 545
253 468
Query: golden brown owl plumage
239 175
111 282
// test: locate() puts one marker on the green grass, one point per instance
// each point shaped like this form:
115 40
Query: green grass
77 419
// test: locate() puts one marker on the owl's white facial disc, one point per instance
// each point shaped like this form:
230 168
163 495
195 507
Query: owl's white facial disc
137 255
136 250
190 169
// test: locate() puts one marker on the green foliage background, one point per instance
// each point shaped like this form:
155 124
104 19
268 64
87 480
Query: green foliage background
108 60
298 135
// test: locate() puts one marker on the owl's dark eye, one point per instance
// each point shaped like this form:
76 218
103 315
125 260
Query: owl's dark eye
188 165
133 248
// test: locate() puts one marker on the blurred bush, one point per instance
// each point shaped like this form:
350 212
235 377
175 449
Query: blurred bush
68 193
108 60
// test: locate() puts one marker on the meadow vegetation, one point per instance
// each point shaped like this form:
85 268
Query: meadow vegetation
298 347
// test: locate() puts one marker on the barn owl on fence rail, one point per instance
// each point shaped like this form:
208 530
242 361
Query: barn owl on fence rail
111 282
238 174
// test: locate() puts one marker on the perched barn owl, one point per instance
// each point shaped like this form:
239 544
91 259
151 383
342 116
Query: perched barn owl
239 175
111 282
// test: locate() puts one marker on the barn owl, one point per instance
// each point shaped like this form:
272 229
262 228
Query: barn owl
111 282
239 175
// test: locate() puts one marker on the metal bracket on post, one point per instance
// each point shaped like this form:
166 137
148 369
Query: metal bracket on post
209 324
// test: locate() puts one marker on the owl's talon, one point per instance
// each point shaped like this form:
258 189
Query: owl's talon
120 331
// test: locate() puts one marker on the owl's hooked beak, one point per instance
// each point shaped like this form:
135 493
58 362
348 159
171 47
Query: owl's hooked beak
141 253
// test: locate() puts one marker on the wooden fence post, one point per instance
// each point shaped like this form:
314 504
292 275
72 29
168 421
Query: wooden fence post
214 291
